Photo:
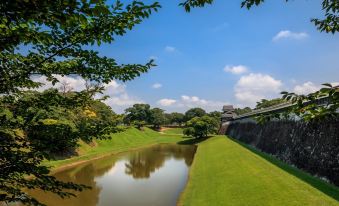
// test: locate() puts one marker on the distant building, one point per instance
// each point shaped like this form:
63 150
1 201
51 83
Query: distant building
228 113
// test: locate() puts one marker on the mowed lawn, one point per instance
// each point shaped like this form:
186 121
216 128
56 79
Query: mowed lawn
227 173
176 131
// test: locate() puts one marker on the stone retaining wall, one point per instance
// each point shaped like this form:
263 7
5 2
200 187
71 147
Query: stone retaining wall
312 147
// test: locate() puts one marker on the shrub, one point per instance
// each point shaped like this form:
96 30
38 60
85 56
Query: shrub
201 126
53 136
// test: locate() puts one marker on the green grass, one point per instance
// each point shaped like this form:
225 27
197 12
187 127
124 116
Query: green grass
176 131
225 172
120 142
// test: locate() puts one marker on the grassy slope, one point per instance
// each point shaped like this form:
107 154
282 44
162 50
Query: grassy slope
223 172
120 142
227 173
177 131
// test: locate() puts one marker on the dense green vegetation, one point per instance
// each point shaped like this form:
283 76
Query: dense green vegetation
201 126
225 172
54 122
52 38
264 103
306 107
240 111
194 112
175 118
140 115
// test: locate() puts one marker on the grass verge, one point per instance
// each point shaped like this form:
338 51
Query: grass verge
225 172
176 131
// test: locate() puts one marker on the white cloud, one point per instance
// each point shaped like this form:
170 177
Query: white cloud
290 35
114 88
306 88
118 99
74 83
170 49
240 69
253 87
185 102
192 101
156 86
310 87
334 84
123 101
166 102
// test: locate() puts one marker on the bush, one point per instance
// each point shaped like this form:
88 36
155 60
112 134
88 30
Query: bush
201 126
53 136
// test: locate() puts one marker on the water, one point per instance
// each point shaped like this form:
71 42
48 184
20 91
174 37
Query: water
148 177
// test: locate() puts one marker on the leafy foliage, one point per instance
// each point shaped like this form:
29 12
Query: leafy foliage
188 4
201 126
96 121
320 105
54 34
215 114
138 114
308 106
330 24
19 159
35 126
194 112
264 103
175 118
53 136
157 117
240 111
47 37
54 122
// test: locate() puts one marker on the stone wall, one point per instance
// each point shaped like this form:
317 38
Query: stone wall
312 147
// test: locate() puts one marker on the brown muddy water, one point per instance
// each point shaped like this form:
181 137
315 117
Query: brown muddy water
153 176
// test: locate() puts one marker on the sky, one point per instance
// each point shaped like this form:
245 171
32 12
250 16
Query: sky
222 54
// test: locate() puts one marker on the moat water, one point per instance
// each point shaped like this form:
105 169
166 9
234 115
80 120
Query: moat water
147 177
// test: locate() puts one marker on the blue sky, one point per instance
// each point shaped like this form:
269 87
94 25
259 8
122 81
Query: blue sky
222 54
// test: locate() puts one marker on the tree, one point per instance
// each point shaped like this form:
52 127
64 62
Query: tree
264 103
176 118
96 121
20 159
201 126
330 24
215 114
47 37
245 110
157 117
194 112
307 107
43 125
138 114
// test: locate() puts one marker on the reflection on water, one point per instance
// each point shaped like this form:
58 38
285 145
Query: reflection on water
151 176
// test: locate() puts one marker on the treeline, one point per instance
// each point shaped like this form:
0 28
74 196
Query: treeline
141 115
53 122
